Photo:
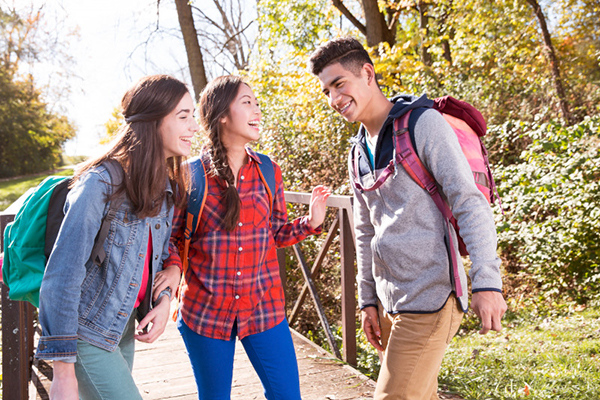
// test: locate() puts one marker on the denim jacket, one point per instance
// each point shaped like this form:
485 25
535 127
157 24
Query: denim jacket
80 300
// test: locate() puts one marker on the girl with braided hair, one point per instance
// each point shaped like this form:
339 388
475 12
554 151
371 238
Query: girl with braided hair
231 286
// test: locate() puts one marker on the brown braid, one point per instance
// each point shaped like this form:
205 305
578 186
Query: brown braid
215 100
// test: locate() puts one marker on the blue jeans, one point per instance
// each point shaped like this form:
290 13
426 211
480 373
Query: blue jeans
271 353
106 375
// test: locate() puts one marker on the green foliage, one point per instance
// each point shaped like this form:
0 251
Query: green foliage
497 57
31 135
550 235
112 125
300 131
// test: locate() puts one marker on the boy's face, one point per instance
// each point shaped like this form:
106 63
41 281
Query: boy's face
347 93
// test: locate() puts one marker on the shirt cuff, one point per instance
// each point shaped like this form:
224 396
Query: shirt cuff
57 348
173 259
308 229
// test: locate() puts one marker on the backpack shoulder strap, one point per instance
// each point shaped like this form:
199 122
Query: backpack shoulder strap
196 196
267 175
115 171
412 122
195 205
407 156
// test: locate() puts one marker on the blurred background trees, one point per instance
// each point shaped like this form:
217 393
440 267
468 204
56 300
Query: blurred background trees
31 130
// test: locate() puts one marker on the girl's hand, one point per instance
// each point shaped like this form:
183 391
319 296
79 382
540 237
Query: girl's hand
316 214
158 316
168 277
64 383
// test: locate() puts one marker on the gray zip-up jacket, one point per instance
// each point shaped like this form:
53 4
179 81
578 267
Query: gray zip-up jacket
402 257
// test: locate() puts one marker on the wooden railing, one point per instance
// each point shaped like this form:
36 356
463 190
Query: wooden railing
342 225
17 316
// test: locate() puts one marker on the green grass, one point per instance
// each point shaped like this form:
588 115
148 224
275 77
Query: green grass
541 353
556 357
12 189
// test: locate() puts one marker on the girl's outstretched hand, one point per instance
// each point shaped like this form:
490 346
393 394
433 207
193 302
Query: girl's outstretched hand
316 214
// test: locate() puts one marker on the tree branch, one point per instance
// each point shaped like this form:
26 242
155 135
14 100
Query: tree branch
346 13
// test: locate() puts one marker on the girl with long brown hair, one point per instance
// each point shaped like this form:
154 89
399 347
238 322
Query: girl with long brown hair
88 311
232 286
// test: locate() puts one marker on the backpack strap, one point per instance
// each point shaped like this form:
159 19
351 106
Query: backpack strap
407 156
115 171
388 170
195 205
266 170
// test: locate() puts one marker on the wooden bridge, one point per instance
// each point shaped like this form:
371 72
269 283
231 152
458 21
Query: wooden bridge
162 369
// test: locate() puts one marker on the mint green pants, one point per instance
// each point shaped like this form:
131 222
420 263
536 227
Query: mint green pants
106 375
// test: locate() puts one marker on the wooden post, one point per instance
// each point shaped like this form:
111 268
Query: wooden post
282 271
348 285
17 338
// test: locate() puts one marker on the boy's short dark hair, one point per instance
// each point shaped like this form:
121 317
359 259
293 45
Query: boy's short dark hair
345 50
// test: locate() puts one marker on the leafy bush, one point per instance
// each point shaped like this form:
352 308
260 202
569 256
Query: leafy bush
550 236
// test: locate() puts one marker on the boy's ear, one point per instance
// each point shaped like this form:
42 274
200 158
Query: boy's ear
369 71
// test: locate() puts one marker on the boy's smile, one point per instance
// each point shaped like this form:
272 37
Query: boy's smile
344 90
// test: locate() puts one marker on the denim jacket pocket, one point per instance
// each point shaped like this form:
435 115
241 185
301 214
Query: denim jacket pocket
124 228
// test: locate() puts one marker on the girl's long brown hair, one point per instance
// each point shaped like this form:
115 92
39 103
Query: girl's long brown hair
214 104
138 146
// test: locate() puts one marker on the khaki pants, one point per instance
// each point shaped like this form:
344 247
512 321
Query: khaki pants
414 348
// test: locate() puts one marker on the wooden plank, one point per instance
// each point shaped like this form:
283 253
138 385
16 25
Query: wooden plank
162 371
332 201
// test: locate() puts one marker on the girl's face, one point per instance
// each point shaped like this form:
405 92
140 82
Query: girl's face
241 125
178 128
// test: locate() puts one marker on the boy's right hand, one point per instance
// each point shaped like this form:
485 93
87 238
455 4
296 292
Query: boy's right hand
370 325
64 383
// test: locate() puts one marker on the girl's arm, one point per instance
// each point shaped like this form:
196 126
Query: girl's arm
288 233
60 292
64 383
168 278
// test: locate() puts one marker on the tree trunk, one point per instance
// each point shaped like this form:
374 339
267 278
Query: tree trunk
444 28
376 25
192 46
375 28
552 60
424 25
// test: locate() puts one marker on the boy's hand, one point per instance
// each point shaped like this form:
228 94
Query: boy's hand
316 214
489 307
371 327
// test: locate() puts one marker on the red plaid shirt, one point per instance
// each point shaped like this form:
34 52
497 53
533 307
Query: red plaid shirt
235 275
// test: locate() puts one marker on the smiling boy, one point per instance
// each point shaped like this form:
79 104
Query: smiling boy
409 307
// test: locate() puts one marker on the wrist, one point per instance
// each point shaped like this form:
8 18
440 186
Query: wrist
62 369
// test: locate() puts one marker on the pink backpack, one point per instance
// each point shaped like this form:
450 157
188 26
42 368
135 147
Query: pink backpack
469 126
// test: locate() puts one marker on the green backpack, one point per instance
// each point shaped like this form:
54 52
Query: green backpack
29 239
